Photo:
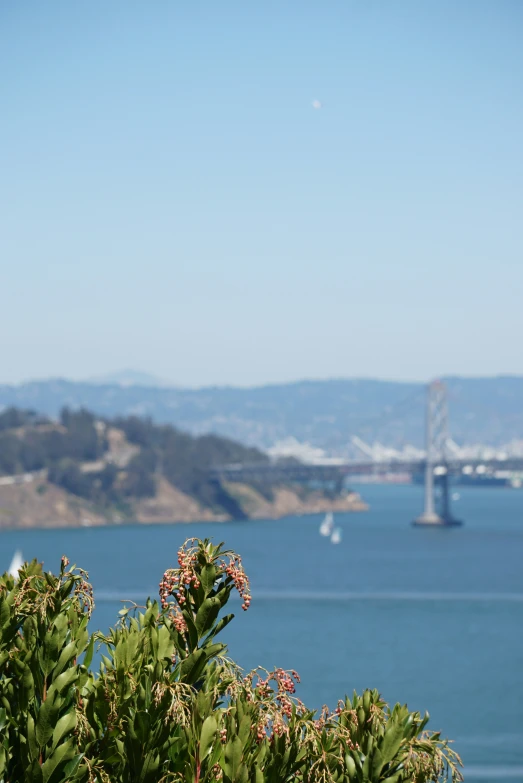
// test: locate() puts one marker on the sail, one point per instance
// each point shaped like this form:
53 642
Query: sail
327 524
336 535
16 563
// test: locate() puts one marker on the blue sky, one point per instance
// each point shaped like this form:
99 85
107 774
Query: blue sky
171 201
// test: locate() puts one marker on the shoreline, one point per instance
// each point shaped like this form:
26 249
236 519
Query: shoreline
351 503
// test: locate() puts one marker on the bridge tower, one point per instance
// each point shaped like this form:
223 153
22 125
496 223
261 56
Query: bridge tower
437 437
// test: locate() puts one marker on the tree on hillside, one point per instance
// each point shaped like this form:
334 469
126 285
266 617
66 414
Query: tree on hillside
82 440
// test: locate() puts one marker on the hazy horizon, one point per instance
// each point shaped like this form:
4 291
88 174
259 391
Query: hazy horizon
151 381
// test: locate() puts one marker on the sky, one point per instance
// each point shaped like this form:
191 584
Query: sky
254 192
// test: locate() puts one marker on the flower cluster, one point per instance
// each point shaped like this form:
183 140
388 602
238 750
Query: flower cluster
177 581
260 729
286 681
178 621
285 685
323 719
376 716
170 586
36 595
176 697
84 594
279 728
180 588
234 571
273 693
167 587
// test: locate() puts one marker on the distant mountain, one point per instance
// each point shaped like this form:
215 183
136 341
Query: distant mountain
324 413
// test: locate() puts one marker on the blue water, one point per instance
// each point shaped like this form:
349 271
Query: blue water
433 618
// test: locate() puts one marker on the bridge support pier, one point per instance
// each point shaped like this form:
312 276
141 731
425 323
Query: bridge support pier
436 446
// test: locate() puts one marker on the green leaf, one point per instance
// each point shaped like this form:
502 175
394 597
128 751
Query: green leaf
243 774
207 736
28 681
350 766
193 666
64 752
407 726
366 768
66 723
377 764
233 757
165 643
208 578
89 653
191 629
224 593
64 680
34 750
35 772
120 655
244 729
211 650
50 579
391 743
5 613
66 588
220 625
46 721
150 767
53 642
206 615
142 726
71 767
68 653
203 704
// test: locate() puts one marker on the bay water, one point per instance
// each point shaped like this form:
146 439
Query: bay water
430 617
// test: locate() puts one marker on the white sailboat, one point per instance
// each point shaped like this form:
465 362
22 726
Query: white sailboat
16 563
336 535
327 524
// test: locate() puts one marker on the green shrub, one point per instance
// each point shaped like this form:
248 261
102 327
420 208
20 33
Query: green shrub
167 704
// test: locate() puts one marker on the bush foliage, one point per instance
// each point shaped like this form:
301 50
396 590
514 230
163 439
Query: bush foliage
166 704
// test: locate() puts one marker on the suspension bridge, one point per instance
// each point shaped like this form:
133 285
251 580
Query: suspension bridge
439 461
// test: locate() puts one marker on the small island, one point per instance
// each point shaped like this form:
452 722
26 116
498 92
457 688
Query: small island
84 470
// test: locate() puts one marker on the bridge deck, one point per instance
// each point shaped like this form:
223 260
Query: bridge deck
298 472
